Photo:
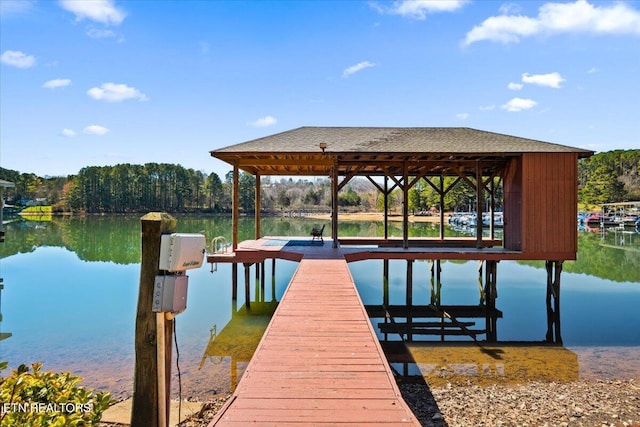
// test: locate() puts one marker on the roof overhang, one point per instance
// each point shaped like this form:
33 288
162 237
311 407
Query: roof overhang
316 151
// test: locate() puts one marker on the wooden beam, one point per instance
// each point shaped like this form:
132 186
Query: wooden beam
441 193
348 177
449 188
334 205
260 162
258 206
479 203
247 284
234 208
554 271
436 189
375 184
421 174
145 406
386 207
405 207
393 178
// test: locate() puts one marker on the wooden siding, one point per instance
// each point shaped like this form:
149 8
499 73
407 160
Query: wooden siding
513 205
549 204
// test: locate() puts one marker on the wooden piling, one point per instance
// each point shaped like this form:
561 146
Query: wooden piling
234 281
385 282
554 271
264 278
145 406
247 282
409 297
490 291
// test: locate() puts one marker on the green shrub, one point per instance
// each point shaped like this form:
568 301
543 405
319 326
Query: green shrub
33 398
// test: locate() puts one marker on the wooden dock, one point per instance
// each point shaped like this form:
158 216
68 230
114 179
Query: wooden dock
319 361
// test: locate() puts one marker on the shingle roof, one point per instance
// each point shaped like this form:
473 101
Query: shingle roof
394 140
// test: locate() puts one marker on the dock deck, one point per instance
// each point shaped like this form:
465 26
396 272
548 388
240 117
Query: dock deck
319 361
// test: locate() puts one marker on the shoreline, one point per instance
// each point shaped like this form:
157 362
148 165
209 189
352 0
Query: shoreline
607 392
377 216
577 403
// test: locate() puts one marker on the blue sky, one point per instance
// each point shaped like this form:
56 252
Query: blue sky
91 83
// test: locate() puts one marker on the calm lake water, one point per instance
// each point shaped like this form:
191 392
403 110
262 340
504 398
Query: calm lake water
71 285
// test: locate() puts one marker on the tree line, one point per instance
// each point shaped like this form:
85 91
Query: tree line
125 188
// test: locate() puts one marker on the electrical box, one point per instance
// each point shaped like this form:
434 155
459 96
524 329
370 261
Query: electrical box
170 294
181 251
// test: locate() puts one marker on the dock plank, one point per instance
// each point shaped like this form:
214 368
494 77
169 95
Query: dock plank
319 361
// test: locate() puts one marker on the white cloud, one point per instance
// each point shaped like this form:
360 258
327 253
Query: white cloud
550 80
114 92
264 122
15 6
56 83
555 18
519 104
15 58
515 86
462 116
69 133
419 9
95 130
487 108
593 70
510 9
103 11
358 67
96 33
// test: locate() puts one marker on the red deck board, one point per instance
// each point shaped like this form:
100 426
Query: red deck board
319 361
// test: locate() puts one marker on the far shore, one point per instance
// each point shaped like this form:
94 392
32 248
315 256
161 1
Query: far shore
376 216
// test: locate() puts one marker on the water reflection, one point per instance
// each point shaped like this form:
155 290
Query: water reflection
70 292
239 338
481 364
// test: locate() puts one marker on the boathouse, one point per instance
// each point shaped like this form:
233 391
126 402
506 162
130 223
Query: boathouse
319 360
539 180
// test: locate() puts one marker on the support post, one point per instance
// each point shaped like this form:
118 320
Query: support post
385 290
436 285
386 207
334 205
409 299
385 282
273 274
441 193
234 281
235 209
492 207
145 406
491 293
554 270
247 284
479 203
256 285
258 206
409 282
405 205
264 278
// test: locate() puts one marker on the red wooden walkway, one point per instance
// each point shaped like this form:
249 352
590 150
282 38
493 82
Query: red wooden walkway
319 361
